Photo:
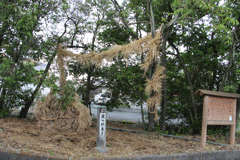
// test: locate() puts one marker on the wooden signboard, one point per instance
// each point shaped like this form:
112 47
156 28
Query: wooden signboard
220 111
219 108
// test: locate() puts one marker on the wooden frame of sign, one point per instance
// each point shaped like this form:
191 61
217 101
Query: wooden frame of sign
219 108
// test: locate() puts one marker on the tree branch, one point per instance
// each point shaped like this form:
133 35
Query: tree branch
169 24
230 63
139 22
65 30
24 111
71 46
118 8
188 79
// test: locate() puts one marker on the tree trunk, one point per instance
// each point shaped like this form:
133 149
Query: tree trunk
137 28
151 116
2 98
188 79
163 109
164 100
24 110
87 99
213 80
151 121
151 17
211 85
187 104
143 121
225 76
231 57
140 97
166 31
164 92
94 36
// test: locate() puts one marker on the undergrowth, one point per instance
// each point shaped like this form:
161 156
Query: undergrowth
65 94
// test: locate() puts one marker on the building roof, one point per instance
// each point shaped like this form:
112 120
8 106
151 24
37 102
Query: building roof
218 94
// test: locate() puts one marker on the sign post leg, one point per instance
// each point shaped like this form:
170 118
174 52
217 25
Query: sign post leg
232 135
204 122
204 134
233 127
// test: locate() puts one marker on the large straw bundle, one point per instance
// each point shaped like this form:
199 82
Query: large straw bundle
51 117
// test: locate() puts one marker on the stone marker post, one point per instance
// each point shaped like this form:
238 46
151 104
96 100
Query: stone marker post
101 129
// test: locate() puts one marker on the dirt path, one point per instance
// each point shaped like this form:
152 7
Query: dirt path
24 135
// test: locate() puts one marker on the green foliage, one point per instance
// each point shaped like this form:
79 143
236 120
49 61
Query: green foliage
65 94
126 83
215 130
158 130
204 39
87 85
231 88
49 81
115 34
4 112
42 99
20 43
55 89
14 78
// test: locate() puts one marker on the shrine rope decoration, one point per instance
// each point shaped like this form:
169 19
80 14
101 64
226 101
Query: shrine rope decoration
148 46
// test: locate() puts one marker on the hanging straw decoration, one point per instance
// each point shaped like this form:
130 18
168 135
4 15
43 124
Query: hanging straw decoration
148 45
